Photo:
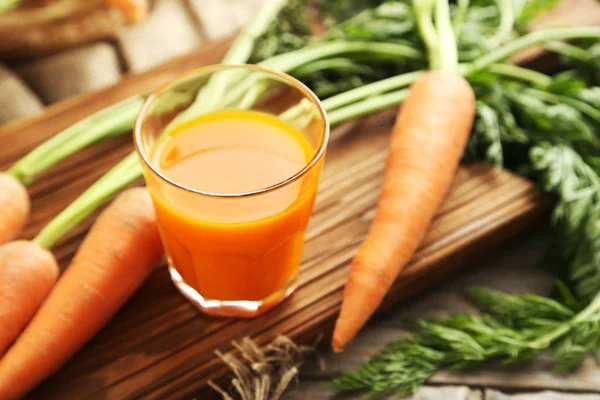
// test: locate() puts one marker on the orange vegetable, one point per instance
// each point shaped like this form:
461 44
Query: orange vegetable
14 207
427 144
28 274
132 10
119 252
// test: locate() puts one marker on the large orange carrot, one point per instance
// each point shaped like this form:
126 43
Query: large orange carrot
427 144
117 255
28 274
14 207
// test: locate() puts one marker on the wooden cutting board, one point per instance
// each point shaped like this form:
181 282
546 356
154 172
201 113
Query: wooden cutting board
159 346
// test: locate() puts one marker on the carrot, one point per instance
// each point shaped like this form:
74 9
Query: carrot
25 267
427 144
132 10
28 274
119 252
14 207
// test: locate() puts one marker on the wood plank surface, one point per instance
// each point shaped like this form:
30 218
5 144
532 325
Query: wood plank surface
159 346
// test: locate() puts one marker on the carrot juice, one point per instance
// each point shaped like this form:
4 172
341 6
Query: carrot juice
233 191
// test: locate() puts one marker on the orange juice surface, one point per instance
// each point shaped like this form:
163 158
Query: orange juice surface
234 248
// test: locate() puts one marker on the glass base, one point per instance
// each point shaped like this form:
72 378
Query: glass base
231 308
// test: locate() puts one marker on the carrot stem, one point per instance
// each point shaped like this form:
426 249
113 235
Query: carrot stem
372 89
367 99
241 49
461 11
423 10
448 52
336 102
568 50
240 82
118 177
533 38
507 22
339 63
367 106
383 50
112 121
520 73
239 53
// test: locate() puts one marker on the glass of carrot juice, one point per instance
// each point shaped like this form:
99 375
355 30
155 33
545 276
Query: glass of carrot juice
231 156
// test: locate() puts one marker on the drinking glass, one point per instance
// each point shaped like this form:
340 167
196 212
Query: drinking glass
233 254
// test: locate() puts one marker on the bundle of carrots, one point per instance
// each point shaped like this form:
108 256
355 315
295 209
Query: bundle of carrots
123 246
28 271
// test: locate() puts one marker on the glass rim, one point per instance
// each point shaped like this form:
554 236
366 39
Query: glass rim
137 130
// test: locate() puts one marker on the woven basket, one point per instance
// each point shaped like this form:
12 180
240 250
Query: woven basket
40 27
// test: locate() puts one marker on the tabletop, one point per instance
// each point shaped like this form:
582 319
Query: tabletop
28 85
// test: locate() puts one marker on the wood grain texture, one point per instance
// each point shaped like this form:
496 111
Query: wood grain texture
159 346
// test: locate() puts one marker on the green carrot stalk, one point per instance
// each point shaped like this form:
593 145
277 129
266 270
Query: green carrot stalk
520 73
531 39
378 96
372 89
112 121
356 96
382 50
568 50
239 53
424 11
241 49
339 63
507 22
367 106
459 17
127 171
448 58
227 85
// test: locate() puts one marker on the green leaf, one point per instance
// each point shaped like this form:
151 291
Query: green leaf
466 341
560 169
403 366
290 31
517 310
